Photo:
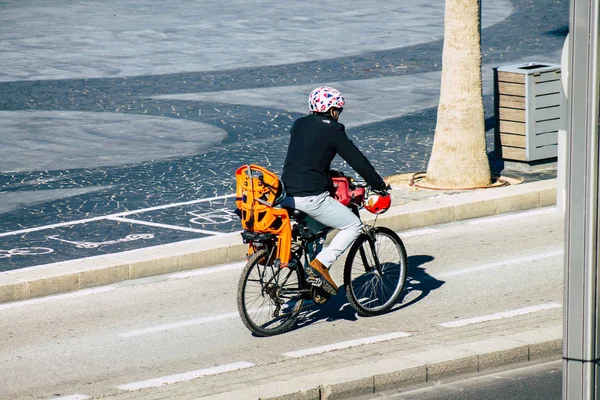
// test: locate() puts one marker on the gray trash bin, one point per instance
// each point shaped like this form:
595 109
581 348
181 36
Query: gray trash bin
529 111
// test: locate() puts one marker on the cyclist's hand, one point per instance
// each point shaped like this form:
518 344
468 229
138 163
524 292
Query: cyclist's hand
383 192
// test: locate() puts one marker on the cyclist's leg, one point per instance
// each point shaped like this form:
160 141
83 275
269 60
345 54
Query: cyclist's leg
329 212
326 210
304 204
315 226
338 216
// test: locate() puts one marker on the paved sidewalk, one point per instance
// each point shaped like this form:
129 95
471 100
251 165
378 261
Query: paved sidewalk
122 125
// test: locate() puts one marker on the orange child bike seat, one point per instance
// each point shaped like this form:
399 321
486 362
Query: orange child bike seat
258 191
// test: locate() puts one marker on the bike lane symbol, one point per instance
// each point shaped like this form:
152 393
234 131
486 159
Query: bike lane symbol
215 217
95 245
25 251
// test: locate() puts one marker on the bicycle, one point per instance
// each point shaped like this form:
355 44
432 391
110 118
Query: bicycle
270 296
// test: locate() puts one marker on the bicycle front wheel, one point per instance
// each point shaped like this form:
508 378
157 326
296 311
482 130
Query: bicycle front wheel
375 272
269 298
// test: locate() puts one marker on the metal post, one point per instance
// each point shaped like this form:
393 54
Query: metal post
581 330
561 179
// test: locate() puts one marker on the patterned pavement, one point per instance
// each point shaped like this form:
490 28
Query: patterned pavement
93 164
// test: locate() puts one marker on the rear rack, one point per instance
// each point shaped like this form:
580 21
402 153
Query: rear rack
249 236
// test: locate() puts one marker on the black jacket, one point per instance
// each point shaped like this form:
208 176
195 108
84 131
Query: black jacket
314 142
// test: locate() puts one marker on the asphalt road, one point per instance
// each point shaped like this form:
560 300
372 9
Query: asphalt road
114 339
538 382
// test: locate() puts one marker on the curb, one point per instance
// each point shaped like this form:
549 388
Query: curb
409 370
101 270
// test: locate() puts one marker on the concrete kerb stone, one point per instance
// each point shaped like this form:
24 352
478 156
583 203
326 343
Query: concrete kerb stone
497 352
344 390
60 282
237 394
343 383
409 370
12 289
546 349
197 253
293 389
543 343
547 197
448 361
400 377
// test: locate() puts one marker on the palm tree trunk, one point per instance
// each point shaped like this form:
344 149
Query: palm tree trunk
459 157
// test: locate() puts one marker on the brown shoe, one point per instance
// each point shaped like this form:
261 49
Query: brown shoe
317 270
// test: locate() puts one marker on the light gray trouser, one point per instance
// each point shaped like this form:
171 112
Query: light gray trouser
329 212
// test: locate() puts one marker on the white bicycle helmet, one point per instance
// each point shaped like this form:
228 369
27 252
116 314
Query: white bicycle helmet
323 98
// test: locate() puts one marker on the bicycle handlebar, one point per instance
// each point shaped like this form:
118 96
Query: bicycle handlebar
362 184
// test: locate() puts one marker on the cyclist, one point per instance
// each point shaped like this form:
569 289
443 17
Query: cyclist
315 140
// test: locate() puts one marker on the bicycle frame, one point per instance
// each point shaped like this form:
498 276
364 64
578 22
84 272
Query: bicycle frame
303 240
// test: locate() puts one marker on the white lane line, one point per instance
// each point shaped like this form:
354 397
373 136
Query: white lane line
512 216
186 376
158 225
418 232
191 322
206 271
48 299
181 324
183 203
59 225
72 397
500 315
347 344
503 263
121 214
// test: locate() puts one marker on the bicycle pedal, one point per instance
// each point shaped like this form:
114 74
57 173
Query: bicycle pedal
319 295
315 281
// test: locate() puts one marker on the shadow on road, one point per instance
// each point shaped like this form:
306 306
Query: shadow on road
419 283
418 286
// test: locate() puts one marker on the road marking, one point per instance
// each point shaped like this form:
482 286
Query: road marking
59 225
157 225
347 344
504 263
190 322
508 217
418 232
186 376
72 397
25 251
121 214
95 245
165 206
220 216
206 271
181 324
48 299
500 315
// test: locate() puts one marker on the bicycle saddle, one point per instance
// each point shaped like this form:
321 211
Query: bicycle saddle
296 215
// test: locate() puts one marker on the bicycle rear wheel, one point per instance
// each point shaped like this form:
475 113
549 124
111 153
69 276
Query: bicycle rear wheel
375 272
269 298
